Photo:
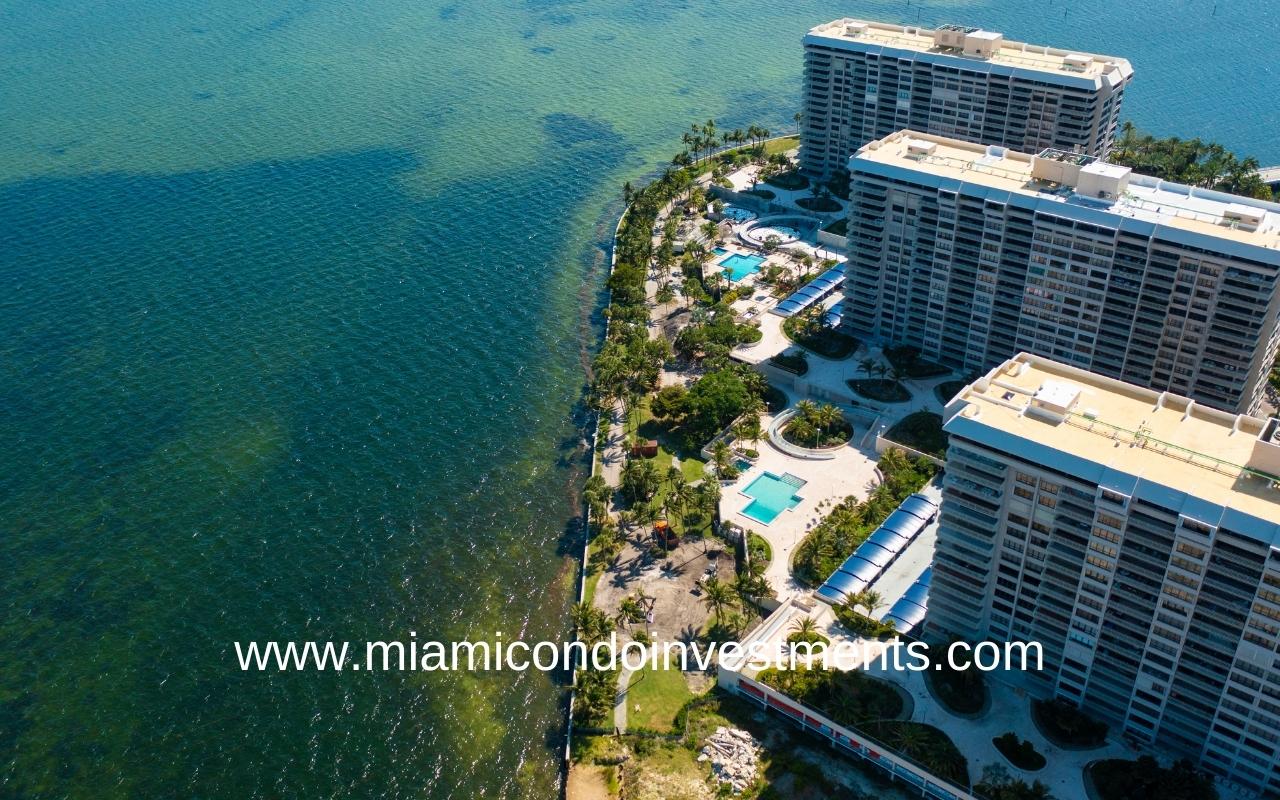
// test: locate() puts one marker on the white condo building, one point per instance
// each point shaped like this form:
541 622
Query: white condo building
864 80
973 253
1136 535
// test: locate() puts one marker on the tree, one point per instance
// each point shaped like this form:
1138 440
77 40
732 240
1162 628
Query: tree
716 596
669 403
722 458
997 784
867 366
806 627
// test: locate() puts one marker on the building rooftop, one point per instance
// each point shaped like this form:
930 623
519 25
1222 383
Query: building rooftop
1081 180
973 43
1093 424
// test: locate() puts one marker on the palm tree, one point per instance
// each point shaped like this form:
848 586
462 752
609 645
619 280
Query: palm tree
806 409
721 457
806 627
867 366
869 599
716 597
827 417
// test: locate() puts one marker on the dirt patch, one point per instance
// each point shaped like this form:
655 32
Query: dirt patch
588 782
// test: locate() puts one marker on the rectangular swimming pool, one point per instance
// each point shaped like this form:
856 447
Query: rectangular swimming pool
741 266
771 495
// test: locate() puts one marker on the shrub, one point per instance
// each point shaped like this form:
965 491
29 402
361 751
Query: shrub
1145 779
1065 725
920 431
791 363
907 359
819 204
1020 752
792 180
880 389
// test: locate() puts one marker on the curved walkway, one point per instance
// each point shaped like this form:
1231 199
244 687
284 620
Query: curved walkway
620 701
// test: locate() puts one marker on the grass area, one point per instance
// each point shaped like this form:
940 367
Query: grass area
840 227
920 431
882 390
947 390
812 336
793 364
781 145
907 360
792 181
1020 752
663 771
594 571
654 698
758 547
694 469
819 204
1067 726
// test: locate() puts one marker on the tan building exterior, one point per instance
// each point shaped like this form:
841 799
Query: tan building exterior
973 253
1136 535
864 80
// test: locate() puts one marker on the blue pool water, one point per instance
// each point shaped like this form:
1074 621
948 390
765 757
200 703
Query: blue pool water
771 495
741 266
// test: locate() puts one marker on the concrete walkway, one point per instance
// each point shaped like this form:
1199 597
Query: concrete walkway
620 701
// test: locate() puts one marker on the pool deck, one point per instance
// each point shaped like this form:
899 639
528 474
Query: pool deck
851 472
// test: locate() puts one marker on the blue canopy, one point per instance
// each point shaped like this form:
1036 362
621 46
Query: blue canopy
812 292
859 567
904 524
845 582
888 540
831 595
926 577
920 506
918 594
875 554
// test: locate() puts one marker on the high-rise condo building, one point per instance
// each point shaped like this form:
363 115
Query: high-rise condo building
973 253
865 80
1134 534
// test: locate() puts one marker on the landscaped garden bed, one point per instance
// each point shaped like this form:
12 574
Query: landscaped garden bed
795 364
1145 779
812 334
883 390
763 194
774 399
1020 752
819 204
792 181
947 390
1067 726
963 692
920 431
839 228
847 697
817 426
907 360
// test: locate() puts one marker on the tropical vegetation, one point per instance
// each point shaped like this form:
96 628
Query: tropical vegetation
1145 779
815 426
851 521
1020 752
997 784
1190 161
922 431
1064 724
813 329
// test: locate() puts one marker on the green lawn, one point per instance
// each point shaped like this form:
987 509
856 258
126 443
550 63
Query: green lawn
659 696
781 145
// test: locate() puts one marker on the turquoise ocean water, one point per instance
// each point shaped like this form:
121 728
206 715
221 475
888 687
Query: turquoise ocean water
295 297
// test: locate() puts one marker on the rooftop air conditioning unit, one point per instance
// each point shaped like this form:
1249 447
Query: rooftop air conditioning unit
1077 61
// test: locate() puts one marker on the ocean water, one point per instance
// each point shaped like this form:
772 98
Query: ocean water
295 299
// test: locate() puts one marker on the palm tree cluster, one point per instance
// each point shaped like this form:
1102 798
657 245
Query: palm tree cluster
703 139
817 425
1191 161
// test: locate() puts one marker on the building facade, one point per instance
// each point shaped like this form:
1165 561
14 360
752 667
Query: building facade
975 253
865 80
1134 534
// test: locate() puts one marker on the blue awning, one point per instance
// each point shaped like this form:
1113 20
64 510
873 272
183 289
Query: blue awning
918 594
888 540
859 567
875 554
920 506
904 524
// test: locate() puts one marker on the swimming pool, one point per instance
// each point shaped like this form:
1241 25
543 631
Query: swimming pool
771 495
741 266
738 214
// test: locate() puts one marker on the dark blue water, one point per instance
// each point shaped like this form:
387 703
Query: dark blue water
294 302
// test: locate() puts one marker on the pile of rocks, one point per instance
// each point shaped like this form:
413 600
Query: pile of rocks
734 755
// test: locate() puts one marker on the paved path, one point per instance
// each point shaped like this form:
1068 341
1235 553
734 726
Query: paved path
620 701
